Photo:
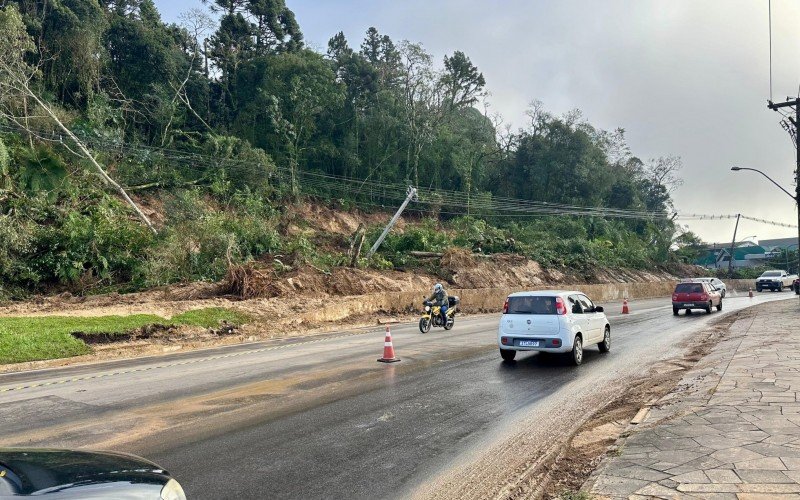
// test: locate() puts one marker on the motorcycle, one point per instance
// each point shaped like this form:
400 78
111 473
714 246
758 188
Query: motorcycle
432 316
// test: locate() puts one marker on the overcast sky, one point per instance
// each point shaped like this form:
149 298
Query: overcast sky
682 77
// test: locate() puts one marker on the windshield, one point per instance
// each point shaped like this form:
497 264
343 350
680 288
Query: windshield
770 274
531 305
689 288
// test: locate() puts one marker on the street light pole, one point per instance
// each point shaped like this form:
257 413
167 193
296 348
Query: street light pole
795 197
795 103
790 195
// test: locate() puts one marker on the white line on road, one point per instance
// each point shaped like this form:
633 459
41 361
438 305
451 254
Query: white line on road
180 363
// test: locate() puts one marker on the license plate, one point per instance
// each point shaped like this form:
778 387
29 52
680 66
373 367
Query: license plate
529 343
688 305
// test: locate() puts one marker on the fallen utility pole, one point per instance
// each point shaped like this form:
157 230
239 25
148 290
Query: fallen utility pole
795 103
411 194
733 246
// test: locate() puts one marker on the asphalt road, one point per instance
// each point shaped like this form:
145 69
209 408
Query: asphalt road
319 417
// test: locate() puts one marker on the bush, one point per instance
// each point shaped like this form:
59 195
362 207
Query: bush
91 240
202 248
477 234
426 237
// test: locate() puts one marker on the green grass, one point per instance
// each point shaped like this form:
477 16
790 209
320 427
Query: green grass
210 316
49 337
574 495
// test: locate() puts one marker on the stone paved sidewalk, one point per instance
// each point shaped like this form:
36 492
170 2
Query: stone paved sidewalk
731 429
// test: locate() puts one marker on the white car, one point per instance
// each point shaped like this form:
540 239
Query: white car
552 321
716 283
775 280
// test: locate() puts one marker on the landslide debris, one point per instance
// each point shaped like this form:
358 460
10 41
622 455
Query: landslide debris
456 268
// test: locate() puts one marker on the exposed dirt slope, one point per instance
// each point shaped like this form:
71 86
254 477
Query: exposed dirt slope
458 268
506 270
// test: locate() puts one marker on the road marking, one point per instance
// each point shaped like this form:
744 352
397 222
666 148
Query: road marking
181 363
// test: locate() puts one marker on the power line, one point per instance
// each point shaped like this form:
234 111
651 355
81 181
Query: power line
486 205
699 217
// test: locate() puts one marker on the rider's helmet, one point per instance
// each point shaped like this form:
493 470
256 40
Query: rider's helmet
437 287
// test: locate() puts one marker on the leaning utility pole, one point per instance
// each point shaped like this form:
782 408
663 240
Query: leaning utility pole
733 246
795 103
411 194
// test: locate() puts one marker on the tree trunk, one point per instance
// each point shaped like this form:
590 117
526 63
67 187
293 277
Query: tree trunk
111 182
355 245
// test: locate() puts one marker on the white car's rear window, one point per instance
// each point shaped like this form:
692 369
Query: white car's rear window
531 305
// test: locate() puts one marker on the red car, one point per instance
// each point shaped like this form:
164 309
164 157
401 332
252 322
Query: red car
796 286
695 295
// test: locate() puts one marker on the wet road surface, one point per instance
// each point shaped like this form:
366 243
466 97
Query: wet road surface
318 417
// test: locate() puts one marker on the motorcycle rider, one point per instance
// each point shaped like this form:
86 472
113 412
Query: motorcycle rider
439 298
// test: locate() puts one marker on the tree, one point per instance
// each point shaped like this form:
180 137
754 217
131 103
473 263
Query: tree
559 164
664 172
538 117
474 144
16 80
284 102
231 46
228 7
68 37
462 81
276 28
420 100
622 194
382 54
149 68
338 48
198 25
688 246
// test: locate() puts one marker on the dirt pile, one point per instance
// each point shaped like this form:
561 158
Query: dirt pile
312 218
466 270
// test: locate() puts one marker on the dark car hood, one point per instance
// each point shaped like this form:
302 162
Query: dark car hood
35 470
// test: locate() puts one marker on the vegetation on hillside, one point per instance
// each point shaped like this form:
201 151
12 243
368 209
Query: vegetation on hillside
214 128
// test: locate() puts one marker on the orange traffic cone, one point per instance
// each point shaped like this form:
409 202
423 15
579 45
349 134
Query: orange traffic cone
388 349
750 293
625 306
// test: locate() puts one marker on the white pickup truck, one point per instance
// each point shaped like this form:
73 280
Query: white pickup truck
775 280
